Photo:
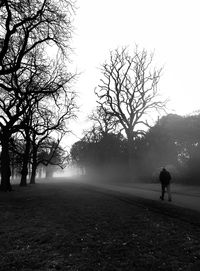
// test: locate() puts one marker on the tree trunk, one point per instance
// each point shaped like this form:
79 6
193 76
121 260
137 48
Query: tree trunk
24 171
5 164
33 174
34 166
131 165
130 161
24 174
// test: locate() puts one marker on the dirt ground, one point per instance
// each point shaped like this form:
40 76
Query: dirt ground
74 227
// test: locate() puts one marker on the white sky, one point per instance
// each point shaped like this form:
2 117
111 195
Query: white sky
171 28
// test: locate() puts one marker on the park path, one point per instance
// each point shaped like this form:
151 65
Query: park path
182 196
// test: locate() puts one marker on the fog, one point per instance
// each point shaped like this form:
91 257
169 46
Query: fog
117 179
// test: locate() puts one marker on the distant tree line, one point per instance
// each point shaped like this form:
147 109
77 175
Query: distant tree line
173 142
98 155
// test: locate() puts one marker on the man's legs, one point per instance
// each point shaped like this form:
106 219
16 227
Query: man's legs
169 192
163 192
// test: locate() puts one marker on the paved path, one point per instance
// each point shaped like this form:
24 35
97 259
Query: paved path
183 196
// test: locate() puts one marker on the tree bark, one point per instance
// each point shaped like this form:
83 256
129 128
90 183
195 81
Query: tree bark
5 163
33 174
131 160
34 166
24 171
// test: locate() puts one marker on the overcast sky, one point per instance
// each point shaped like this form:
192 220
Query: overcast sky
170 28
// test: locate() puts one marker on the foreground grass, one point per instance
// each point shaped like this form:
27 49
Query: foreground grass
70 227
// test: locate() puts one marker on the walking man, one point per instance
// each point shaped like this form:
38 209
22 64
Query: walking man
165 179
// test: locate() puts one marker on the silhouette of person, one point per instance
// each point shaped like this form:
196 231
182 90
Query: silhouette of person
165 179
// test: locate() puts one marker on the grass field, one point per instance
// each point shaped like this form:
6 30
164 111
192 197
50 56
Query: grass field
68 226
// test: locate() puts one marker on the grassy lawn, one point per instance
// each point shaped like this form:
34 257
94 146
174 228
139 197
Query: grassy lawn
67 226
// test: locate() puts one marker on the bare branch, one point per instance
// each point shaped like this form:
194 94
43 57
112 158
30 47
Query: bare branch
128 89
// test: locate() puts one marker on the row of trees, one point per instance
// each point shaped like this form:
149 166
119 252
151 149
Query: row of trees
42 159
36 100
125 136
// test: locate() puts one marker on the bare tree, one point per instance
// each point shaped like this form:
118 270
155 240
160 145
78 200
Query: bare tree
103 123
128 92
27 92
26 25
50 123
